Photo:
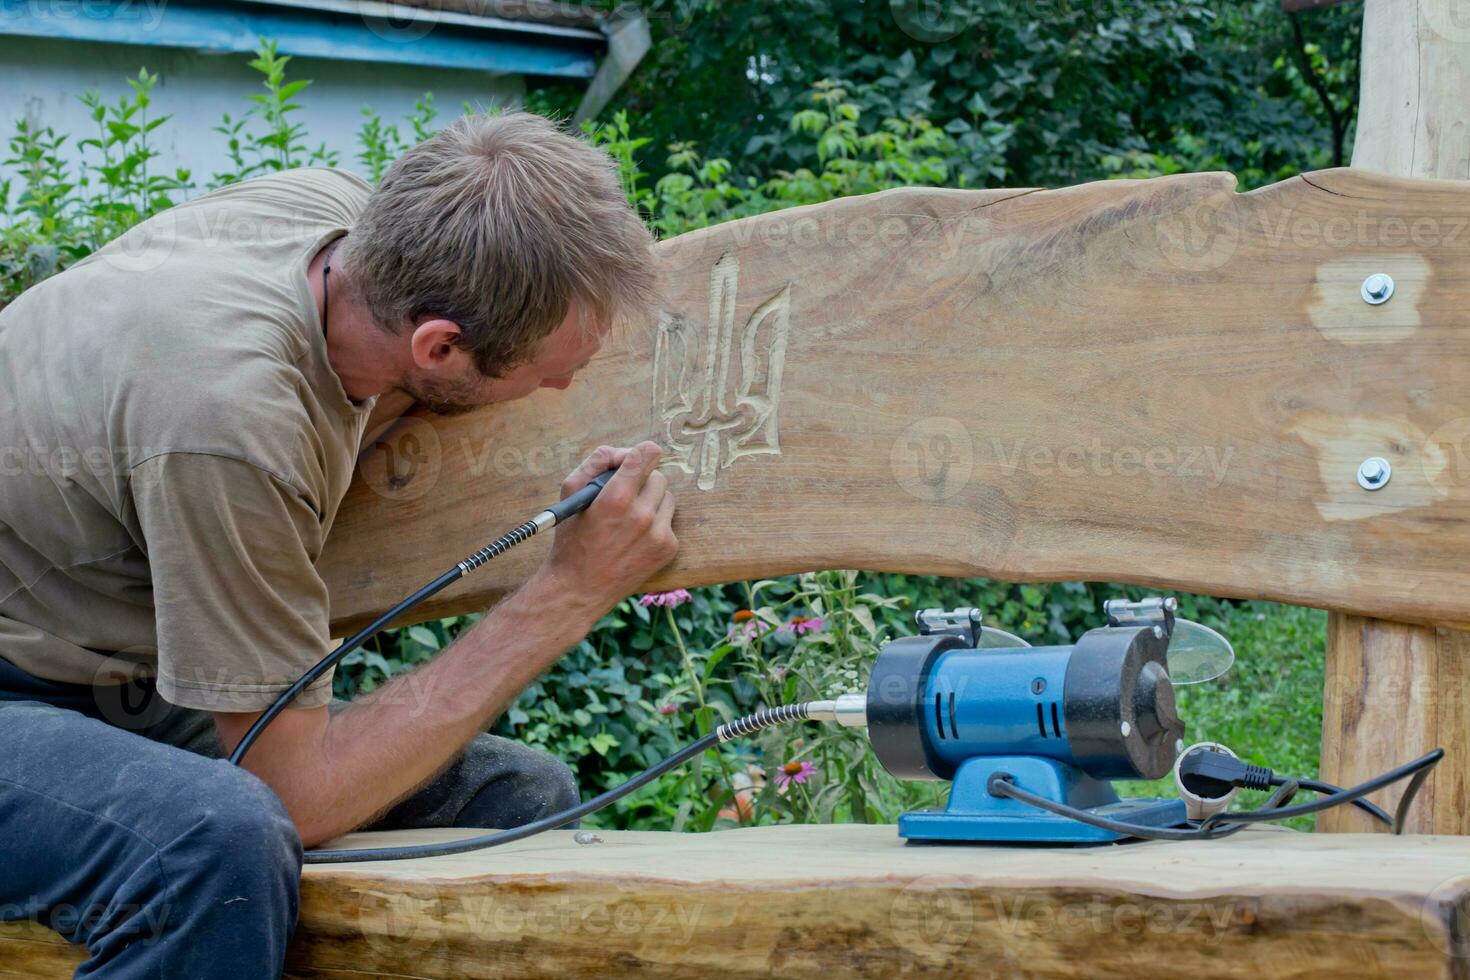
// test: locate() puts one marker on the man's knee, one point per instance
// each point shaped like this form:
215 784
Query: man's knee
240 813
495 782
551 780
218 870
516 784
238 842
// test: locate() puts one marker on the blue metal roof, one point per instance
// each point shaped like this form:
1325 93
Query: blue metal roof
345 30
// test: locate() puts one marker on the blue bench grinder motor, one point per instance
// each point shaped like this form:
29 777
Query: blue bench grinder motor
1060 721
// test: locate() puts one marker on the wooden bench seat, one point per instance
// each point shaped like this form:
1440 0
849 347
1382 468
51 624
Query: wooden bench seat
818 901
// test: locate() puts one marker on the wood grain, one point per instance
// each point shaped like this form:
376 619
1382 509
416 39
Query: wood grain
1162 382
1394 690
812 901
1412 118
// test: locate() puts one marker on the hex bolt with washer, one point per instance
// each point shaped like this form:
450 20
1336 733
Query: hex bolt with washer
1374 473
1377 289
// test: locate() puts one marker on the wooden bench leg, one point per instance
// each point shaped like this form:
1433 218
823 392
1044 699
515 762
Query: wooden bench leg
1393 692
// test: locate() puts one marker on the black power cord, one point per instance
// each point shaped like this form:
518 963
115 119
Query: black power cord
1418 770
482 841
1226 823
748 725
1367 806
1215 828
550 517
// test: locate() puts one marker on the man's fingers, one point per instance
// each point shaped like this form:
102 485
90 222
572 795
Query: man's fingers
628 481
665 513
602 458
653 490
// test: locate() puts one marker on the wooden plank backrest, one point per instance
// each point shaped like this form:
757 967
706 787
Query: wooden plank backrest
1163 382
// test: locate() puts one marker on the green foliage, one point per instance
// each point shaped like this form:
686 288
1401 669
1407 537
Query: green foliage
1056 86
381 143
56 218
32 241
749 107
266 137
852 154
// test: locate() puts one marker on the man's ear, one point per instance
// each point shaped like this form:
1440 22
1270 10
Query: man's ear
434 343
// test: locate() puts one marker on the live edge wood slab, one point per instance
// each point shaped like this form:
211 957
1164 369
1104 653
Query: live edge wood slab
814 901
1163 382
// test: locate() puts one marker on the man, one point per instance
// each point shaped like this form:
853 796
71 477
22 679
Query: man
179 419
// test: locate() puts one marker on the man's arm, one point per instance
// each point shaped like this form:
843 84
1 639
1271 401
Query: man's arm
335 772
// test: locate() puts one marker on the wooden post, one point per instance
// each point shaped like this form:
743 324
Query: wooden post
1393 690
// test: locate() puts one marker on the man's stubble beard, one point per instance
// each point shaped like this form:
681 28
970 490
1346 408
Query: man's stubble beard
444 396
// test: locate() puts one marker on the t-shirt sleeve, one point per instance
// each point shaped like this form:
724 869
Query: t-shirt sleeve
241 610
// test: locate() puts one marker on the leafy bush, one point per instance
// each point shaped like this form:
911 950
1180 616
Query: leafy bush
649 677
1058 87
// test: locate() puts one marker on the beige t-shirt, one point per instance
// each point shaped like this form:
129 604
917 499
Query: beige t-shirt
173 448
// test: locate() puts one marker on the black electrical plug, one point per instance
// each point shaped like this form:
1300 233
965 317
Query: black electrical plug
1208 775
1211 774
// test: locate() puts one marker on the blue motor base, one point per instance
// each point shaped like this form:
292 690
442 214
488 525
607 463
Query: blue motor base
975 815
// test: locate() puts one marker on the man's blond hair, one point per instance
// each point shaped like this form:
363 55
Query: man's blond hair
499 223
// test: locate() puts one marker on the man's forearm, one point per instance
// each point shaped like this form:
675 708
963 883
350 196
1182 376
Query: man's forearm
336 772
387 743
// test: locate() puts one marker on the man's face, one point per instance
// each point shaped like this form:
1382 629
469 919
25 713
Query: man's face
562 354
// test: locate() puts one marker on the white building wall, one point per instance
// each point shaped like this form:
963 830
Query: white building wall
40 79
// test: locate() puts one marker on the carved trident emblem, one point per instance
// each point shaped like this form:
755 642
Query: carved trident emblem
716 392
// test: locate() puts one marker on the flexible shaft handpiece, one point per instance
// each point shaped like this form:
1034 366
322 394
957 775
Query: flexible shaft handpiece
550 517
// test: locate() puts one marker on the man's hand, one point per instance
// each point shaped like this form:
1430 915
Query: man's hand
618 543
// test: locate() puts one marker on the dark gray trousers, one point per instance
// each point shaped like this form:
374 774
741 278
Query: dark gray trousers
123 830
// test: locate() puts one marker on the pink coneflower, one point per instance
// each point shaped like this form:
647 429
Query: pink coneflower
805 624
744 626
794 772
675 598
